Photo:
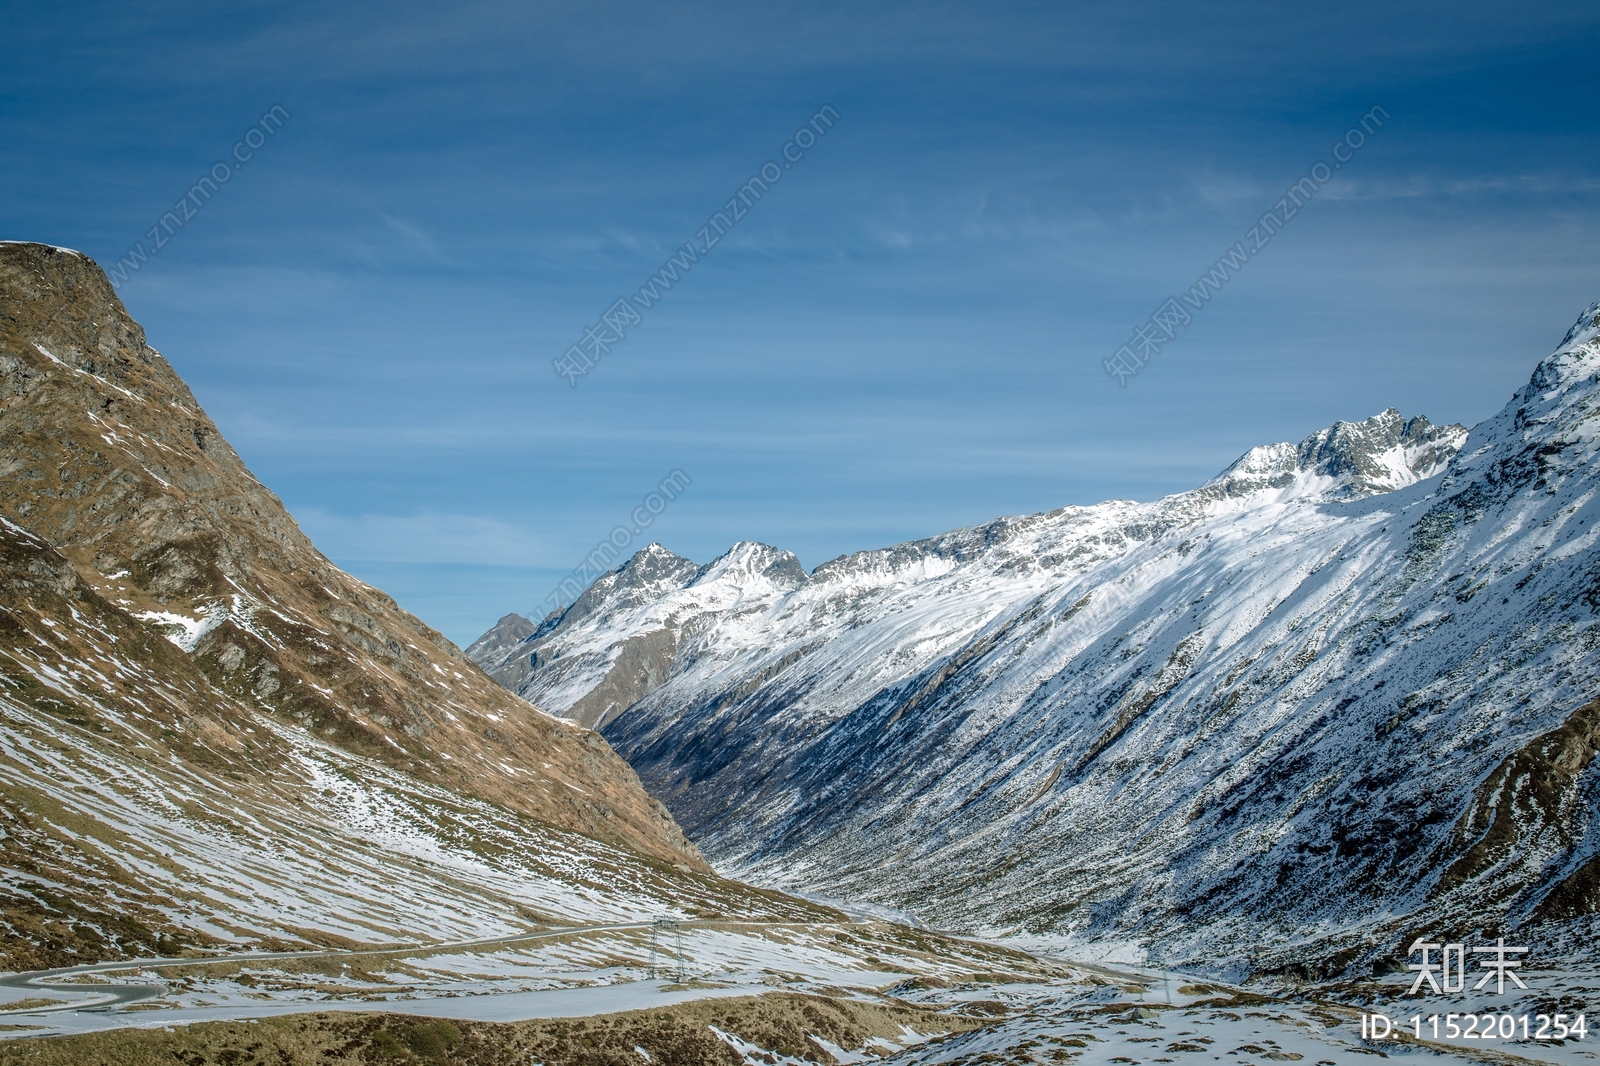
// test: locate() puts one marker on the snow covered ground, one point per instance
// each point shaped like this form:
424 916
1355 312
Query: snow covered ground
542 975
1034 1010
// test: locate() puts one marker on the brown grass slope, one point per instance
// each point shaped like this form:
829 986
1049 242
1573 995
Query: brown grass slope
106 456
63 899
144 811
682 1035
1527 816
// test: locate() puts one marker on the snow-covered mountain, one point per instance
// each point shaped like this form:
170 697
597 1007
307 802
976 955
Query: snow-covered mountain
1340 694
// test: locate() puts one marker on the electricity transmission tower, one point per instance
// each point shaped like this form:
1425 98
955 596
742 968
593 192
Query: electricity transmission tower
659 929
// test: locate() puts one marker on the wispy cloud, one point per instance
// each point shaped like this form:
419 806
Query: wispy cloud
415 236
424 537
1430 186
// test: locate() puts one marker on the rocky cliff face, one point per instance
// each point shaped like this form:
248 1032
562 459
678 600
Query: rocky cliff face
166 631
1340 694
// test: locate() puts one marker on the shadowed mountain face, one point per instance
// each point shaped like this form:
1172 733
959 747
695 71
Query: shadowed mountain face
174 652
1340 695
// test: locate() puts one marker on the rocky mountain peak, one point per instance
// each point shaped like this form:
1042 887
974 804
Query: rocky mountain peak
1556 414
654 567
1577 357
645 577
506 634
750 560
1348 460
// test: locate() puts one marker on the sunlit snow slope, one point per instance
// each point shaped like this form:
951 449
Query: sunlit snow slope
1340 692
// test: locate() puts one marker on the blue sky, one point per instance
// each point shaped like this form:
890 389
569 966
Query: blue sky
903 336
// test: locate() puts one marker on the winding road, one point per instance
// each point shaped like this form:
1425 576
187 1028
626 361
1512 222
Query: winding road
110 995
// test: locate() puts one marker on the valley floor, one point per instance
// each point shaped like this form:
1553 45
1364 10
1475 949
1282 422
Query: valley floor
734 992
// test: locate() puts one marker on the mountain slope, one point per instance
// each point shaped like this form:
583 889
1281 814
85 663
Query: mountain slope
213 736
1271 718
108 457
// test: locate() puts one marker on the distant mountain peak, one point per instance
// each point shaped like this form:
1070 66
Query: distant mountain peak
1347 460
506 634
653 561
631 620
751 559
644 577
